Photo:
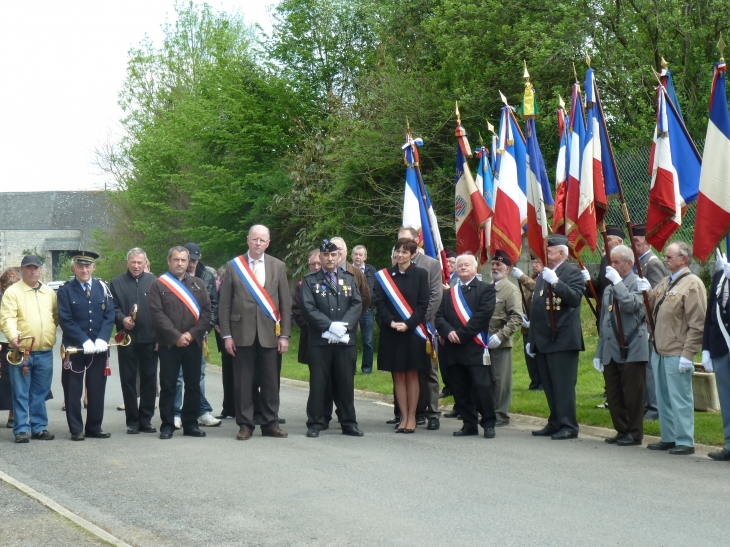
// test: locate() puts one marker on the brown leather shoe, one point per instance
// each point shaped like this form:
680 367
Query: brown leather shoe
275 432
243 435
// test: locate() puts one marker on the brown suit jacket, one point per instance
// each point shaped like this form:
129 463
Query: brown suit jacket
362 285
171 318
241 317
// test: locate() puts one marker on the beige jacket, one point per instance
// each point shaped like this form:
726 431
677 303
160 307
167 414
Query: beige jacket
680 320
30 312
507 316
529 286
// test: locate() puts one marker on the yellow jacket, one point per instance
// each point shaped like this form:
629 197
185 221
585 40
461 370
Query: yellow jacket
30 312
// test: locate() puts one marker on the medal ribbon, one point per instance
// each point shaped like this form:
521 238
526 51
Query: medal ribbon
240 265
464 313
182 292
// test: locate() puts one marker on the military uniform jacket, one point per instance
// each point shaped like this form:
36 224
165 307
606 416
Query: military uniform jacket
568 292
653 269
171 318
323 303
507 316
481 299
633 319
714 340
680 320
82 317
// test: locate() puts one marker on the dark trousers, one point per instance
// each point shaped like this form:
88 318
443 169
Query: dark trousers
257 391
429 389
559 373
263 362
331 395
138 360
327 363
171 359
471 386
73 390
444 369
367 330
229 398
532 369
625 396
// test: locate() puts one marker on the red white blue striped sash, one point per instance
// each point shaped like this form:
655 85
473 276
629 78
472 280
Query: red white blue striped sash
240 265
400 304
464 313
182 292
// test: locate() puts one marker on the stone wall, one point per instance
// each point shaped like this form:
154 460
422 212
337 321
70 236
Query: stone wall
14 242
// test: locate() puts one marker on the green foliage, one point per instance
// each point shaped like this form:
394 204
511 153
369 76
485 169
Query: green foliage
62 271
34 251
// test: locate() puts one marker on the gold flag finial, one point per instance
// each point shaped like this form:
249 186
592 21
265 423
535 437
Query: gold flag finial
526 75
481 140
504 99
575 73
458 115
721 48
490 127
656 75
561 102
408 126
665 65
588 60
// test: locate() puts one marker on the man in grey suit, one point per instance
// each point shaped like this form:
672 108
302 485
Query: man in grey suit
558 294
250 334
623 365
654 271
429 379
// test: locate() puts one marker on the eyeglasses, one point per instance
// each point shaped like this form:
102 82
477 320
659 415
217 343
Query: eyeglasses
258 240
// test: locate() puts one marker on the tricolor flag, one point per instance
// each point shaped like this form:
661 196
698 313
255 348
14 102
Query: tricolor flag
539 198
486 186
675 173
510 208
470 209
580 224
713 203
561 173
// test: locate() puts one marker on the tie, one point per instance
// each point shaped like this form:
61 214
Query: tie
332 278
87 289
258 271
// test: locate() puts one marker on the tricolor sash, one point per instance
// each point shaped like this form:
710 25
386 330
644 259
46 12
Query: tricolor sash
182 292
464 313
240 265
400 304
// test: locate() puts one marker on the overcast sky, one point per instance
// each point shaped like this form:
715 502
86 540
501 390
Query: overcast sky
61 67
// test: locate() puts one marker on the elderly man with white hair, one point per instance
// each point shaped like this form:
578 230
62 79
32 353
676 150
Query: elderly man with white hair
556 337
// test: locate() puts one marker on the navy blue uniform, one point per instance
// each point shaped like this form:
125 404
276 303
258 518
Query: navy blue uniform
83 318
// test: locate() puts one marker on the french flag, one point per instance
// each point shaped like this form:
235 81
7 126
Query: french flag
713 203
488 190
675 169
580 225
561 173
539 197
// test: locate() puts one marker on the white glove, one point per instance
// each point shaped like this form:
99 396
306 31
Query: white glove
343 339
612 275
101 346
494 342
527 350
549 276
89 347
525 321
720 260
726 269
598 365
327 335
338 329
643 284
517 272
706 360
685 365
586 275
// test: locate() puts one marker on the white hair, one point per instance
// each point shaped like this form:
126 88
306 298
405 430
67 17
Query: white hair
469 255
563 248
259 226
136 251
626 254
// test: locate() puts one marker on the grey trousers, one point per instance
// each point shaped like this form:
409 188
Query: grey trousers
721 366
501 373
428 381
676 400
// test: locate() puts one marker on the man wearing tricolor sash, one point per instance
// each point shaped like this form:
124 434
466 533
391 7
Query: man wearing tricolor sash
461 321
180 314
255 321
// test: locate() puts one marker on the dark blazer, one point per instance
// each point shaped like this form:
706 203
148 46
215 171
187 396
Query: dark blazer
481 298
322 304
369 274
713 339
83 318
171 317
128 291
435 283
298 316
653 269
362 286
241 317
569 289
599 282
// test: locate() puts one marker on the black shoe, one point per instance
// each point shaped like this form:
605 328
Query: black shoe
10 423
257 421
546 431
629 440
722 456
22 438
420 420
98 434
613 440
564 435
501 423
352 431
195 432
77 437
682 450
489 433
281 421
651 415
149 428
393 420
445 393
661 445
452 414
367 371
43 436
433 424
466 432
312 432
132 430
165 434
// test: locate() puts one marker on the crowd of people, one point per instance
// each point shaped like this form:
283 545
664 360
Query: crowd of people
461 324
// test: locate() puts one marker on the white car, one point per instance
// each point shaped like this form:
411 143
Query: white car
55 285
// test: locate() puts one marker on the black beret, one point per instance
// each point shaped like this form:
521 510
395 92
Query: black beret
501 256
639 229
328 247
612 230
557 239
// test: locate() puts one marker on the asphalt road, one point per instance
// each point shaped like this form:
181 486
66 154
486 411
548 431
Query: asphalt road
428 488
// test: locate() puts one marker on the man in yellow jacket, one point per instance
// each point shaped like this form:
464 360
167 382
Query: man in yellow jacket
28 318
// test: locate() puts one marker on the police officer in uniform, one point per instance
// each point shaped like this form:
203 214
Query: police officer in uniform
556 349
331 305
86 317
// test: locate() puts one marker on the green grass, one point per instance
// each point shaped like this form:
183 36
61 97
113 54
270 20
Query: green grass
708 426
